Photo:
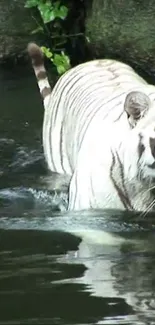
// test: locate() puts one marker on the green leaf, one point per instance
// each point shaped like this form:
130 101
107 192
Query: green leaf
60 11
61 69
66 59
46 11
47 52
31 3
63 12
62 62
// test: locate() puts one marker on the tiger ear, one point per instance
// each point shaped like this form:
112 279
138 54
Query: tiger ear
136 105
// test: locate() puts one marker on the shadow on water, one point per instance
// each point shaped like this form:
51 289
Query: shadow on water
56 267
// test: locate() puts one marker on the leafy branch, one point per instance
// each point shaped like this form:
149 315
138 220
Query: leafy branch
51 11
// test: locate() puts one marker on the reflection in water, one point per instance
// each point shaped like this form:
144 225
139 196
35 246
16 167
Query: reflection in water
62 257
60 268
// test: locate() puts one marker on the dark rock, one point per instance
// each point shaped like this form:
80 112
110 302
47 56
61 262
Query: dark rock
16 25
123 30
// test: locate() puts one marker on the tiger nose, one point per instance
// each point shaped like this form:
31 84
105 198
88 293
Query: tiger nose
152 146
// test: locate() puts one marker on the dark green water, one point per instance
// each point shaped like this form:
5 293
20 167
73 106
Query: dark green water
55 268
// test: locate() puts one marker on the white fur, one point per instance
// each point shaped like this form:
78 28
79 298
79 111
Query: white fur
85 126
43 83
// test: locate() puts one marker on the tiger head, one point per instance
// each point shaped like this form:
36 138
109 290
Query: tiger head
141 141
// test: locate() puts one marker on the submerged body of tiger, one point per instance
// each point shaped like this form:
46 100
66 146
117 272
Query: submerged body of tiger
99 128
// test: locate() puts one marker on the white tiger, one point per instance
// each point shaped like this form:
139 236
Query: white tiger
99 128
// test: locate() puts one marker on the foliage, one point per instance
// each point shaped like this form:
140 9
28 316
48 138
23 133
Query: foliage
52 12
48 10
61 61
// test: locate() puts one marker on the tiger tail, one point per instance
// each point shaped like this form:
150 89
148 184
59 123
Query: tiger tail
37 59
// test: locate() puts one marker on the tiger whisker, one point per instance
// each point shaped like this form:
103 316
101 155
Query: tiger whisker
150 189
150 206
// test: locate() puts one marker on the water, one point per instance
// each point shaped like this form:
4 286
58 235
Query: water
55 267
